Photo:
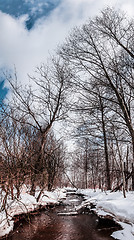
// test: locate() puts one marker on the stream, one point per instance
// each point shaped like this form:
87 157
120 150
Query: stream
61 223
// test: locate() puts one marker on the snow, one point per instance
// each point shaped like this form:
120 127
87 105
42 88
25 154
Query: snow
113 204
105 204
68 213
26 203
126 234
73 200
51 197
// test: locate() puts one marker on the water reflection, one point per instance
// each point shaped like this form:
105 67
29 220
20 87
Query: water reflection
51 226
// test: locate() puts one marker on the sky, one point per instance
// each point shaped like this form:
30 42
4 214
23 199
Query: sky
32 29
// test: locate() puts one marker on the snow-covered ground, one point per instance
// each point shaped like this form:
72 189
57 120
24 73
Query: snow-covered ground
114 205
26 203
106 204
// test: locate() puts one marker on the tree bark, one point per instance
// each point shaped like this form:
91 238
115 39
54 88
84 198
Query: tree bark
105 146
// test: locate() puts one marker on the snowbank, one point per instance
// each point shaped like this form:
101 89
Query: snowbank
26 203
114 205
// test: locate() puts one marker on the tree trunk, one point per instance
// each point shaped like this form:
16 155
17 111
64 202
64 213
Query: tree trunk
132 177
126 168
105 147
124 182
86 168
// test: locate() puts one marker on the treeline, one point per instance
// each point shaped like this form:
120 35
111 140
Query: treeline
30 152
101 53
91 80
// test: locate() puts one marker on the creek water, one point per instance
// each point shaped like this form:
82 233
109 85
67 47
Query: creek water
58 224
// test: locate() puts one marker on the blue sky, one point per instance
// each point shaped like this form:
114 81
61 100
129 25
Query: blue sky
3 91
31 29
34 10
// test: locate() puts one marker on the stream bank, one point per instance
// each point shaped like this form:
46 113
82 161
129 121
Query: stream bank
112 206
62 223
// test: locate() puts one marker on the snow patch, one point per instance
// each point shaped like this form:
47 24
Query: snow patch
26 203
112 204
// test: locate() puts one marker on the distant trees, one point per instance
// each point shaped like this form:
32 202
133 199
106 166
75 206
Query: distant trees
87 167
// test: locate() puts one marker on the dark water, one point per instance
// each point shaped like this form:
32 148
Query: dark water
51 226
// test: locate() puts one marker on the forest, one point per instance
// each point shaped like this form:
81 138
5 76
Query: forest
83 94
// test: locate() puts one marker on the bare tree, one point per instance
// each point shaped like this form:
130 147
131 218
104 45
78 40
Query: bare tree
101 51
39 106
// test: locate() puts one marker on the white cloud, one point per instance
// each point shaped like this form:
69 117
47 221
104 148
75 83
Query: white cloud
27 49
129 8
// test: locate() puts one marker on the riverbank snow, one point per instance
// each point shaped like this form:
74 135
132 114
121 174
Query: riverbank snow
106 204
115 205
25 204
